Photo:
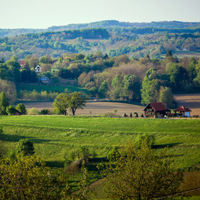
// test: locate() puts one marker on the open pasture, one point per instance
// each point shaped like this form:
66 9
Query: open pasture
49 88
55 135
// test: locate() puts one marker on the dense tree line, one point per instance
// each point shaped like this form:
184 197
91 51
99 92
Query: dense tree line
115 41
143 80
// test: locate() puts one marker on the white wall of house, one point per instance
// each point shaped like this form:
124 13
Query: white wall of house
187 114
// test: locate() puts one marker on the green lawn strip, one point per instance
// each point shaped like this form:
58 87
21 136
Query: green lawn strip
121 125
49 88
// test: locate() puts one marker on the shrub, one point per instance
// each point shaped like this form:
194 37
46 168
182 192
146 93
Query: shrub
136 114
150 139
108 114
45 112
10 110
21 108
113 154
33 111
25 147
57 111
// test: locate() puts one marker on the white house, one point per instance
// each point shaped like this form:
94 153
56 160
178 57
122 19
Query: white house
38 69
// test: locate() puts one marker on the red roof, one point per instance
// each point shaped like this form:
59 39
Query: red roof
22 62
158 106
182 109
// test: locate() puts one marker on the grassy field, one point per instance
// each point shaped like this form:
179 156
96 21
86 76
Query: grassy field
56 136
49 88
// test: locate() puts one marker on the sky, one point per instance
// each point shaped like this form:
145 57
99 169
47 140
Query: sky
46 13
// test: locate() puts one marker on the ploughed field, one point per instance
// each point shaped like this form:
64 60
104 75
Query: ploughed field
54 136
95 108
192 101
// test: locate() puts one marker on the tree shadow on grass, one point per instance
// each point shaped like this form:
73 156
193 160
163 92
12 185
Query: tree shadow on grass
58 164
162 146
16 138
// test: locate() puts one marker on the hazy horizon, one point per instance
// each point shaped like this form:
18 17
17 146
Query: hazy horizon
46 13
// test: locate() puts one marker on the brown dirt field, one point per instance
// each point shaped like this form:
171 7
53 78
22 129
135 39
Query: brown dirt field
192 101
95 108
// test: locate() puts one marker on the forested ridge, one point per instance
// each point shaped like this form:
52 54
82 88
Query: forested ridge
111 37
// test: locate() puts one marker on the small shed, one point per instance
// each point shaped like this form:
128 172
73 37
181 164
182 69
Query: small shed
183 111
156 109
17 112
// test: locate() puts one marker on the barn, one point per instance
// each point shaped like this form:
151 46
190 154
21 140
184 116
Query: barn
155 110
183 111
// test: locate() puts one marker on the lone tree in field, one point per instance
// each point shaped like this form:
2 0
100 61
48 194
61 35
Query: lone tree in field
76 100
140 174
73 101
25 147
61 102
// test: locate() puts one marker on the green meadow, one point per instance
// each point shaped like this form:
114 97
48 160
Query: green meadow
49 88
55 136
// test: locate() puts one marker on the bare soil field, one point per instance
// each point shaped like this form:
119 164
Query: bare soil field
192 101
95 108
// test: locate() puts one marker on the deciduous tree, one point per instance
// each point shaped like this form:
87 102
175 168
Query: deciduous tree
4 103
140 174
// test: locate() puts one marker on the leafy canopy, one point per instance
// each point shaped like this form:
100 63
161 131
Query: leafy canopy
140 174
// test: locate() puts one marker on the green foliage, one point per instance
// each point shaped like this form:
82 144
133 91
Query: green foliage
9 89
28 178
150 140
21 108
113 154
166 97
33 111
61 103
140 174
75 101
10 110
150 90
4 103
45 112
25 147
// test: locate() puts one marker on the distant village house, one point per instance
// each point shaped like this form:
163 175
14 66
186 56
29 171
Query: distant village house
156 110
38 69
22 63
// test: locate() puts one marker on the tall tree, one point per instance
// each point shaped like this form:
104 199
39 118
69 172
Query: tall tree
76 100
131 87
4 102
166 97
61 102
140 174
14 67
9 89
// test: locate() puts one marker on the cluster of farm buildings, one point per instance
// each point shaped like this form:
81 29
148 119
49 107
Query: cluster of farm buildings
158 110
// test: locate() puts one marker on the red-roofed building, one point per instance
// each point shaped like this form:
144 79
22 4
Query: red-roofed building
22 63
183 111
156 110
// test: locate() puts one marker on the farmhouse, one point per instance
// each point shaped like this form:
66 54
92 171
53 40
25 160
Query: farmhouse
22 63
156 110
183 111
38 69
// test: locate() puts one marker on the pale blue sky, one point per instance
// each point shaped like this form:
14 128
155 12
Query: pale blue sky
46 13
